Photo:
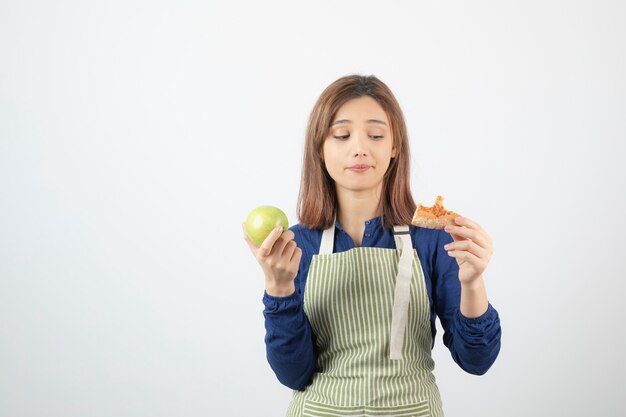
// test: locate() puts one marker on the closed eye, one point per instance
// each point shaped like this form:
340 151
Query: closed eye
347 136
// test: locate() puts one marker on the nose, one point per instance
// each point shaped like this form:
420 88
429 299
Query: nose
359 146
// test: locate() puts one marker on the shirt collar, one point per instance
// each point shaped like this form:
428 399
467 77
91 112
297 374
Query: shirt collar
374 221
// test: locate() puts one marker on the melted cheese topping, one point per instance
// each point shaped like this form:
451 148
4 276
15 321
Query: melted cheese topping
435 211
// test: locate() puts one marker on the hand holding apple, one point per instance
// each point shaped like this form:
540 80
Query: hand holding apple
262 220
278 253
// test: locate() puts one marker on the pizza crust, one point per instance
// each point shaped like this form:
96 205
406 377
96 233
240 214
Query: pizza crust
435 217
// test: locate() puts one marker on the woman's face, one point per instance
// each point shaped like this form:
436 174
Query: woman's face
359 146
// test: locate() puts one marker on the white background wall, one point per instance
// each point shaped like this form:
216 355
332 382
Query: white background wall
135 137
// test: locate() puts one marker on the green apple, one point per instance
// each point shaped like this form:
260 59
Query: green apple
262 220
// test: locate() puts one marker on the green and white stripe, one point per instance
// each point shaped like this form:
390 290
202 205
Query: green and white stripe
314 409
349 300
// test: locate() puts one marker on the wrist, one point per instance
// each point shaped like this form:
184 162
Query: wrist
279 290
477 284
474 302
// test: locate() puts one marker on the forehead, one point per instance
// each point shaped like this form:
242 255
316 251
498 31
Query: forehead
360 110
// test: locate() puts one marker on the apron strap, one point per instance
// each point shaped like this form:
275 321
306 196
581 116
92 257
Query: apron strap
328 240
400 310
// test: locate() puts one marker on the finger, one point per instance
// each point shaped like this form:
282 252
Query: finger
465 256
296 255
294 262
281 245
478 264
473 236
288 249
469 246
266 247
456 232
464 221
288 234
460 233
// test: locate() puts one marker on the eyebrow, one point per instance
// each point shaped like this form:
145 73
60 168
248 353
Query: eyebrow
368 121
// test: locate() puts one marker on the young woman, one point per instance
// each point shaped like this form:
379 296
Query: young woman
352 291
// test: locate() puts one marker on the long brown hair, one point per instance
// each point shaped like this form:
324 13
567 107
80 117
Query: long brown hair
317 200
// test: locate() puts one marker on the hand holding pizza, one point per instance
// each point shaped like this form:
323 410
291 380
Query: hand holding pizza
472 248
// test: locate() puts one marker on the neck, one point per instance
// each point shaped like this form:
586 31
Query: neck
355 207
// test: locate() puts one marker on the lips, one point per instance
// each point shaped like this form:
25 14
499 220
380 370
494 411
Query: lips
359 167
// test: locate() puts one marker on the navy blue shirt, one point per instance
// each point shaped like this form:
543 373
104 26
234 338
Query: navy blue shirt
290 343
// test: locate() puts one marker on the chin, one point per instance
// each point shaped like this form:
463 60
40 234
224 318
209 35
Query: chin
359 186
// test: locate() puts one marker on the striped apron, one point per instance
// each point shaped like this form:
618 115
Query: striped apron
370 315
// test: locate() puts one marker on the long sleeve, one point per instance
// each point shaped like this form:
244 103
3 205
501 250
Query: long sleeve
473 342
289 339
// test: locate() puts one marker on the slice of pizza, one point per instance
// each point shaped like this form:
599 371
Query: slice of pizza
435 217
